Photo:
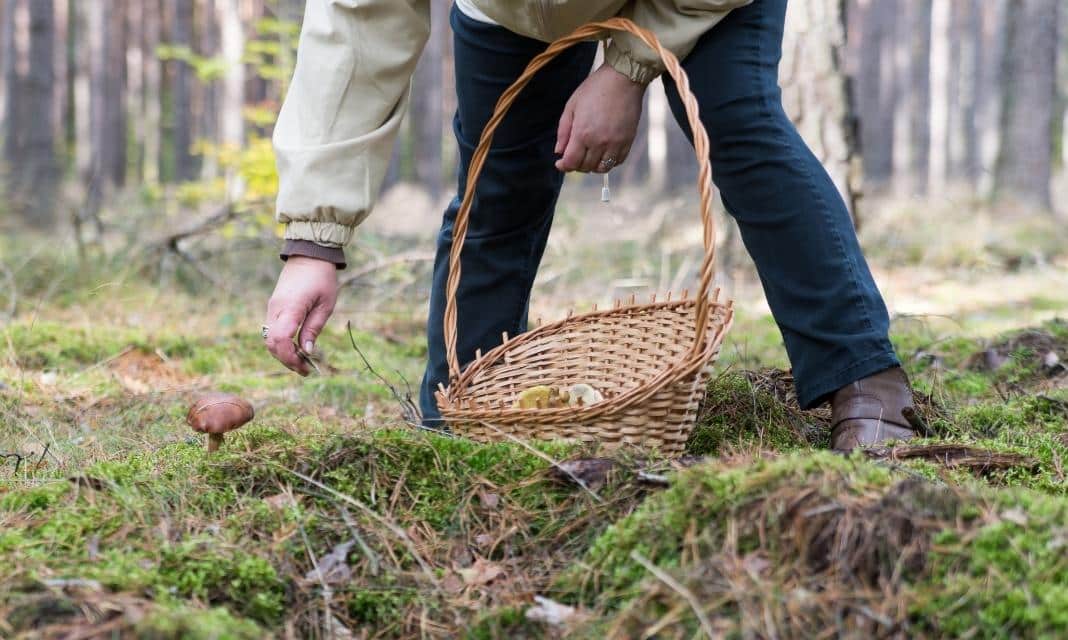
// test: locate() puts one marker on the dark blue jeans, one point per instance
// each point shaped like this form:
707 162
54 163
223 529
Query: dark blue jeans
792 220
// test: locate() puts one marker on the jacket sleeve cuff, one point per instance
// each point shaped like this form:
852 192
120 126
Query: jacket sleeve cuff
309 249
326 233
623 61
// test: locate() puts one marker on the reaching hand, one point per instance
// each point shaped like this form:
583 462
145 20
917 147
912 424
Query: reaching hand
303 299
599 122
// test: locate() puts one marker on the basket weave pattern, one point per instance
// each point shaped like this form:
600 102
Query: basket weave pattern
650 361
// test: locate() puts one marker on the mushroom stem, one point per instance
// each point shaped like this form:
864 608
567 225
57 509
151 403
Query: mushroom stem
215 440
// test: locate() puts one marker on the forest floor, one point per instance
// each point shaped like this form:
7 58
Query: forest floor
327 517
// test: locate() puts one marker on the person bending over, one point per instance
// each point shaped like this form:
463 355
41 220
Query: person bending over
350 88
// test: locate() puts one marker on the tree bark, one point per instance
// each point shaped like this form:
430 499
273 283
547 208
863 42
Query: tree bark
232 120
989 89
816 90
941 67
13 56
153 94
428 127
39 165
874 85
181 17
912 130
1029 73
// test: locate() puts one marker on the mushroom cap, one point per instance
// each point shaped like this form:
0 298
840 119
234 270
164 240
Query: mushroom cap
219 413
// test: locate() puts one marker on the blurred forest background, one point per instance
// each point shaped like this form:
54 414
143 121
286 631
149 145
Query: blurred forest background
908 97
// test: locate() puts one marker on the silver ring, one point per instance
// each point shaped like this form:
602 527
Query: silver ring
608 163
263 331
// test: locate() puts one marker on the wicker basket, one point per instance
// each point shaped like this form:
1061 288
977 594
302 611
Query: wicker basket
650 361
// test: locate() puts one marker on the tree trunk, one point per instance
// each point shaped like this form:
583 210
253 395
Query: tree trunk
136 56
875 88
206 118
61 64
912 124
426 107
989 89
656 139
816 89
153 95
1024 163
941 11
14 59
232 120
39 166
181 17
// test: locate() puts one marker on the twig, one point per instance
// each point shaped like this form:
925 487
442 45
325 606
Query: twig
401 258
654 478
18 459
377 517
372 557
43 454
409 411
661 575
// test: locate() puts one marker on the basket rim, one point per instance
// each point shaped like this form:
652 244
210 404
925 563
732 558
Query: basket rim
448 396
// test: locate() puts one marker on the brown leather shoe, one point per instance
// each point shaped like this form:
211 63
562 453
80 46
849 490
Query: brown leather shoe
870 411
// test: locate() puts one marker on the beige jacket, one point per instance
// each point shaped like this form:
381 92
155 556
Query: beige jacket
335 132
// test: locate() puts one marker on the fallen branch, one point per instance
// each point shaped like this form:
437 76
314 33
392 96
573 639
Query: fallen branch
221 216
954 456
401 258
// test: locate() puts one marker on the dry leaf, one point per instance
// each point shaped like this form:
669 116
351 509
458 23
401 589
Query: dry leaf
489 500
452 583
281 500
481 572
551 612
333 568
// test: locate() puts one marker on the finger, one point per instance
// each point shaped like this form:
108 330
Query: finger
313 325
563 130
573 155
280 340
592 159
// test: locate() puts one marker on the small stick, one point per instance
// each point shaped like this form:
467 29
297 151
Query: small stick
687 595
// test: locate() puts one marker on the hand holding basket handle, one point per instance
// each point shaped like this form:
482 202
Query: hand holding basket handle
651 361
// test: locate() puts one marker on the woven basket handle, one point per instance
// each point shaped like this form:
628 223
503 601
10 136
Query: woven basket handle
704 175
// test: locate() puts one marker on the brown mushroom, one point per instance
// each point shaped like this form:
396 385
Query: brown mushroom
217 413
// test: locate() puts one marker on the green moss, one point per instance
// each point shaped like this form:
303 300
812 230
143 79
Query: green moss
187 623
736 414
1008 578
246 583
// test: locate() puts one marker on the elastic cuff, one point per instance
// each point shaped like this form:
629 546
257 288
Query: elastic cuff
327 234
309 249
812 395
623 62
